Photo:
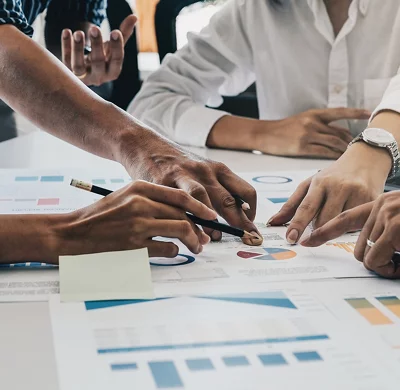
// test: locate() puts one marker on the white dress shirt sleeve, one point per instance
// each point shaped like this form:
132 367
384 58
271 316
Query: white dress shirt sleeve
216 61
391 98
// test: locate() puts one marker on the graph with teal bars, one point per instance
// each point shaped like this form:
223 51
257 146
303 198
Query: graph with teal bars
270 254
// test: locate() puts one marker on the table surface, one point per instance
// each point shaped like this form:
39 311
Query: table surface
26 354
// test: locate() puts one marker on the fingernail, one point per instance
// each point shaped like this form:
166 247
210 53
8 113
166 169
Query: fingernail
94 32
200 249
292 237
65 34
114 36
205 239
269 223
77 38
257 240
215 235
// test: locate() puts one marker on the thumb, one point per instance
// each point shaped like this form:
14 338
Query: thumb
127 27
333 114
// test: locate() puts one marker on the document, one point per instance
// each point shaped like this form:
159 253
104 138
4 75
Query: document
226 337
106 276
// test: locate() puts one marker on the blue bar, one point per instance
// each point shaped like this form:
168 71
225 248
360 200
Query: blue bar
98 181
165 375
273 359
310 356
117 180
123 367
213 344
52 178
26 178
278 200
199 364
25 200
235 361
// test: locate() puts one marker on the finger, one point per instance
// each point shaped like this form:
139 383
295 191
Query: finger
116 57
236 185
78 58
225 204
333 114
179 198
97 56
127 27
305 213
331 141
365 233
182 230
379 258
374 235
197 191
348 221
289 209
162 249
333 206
163 211
321 151
66 48
341 132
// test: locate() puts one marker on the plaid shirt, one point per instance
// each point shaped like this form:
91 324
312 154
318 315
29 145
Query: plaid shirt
22 13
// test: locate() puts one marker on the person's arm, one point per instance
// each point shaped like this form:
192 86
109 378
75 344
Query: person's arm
356 178
36 84
127 219
173 98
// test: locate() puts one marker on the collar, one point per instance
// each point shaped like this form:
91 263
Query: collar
363 6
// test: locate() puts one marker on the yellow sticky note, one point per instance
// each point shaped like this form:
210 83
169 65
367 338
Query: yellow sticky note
106 276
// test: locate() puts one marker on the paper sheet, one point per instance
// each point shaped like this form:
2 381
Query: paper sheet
226 337
106 276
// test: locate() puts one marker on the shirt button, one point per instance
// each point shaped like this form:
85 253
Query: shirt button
337 89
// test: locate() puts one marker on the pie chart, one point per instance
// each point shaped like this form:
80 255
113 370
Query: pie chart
268 254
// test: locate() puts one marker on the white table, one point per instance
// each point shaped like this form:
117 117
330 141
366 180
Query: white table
26 347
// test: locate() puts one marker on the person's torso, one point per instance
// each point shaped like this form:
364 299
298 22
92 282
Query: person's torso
300 65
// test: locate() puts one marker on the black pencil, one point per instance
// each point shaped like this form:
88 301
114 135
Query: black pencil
198 221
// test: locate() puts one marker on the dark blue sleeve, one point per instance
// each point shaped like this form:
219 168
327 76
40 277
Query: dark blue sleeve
11 13
95 11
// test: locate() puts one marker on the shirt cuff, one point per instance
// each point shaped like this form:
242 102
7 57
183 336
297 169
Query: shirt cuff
390 102
195 125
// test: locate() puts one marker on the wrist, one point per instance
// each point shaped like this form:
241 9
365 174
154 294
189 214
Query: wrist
369 157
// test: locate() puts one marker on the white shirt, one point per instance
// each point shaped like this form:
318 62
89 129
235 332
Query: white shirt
292 54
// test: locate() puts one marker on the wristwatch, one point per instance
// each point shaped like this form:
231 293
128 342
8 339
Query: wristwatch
381 138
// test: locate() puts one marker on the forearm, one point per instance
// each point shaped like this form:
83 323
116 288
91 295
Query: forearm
38 86
234 132
30 238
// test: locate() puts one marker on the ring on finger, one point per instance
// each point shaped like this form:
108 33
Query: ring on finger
370 243
82 76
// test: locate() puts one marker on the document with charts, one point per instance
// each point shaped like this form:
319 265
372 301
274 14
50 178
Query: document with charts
224 338
227 262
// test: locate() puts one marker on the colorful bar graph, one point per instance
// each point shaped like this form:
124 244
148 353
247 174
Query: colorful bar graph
48 202
26 178
124 366
235 361
347 246
309 356
391 303
199 364
230 343
52 179
165 375
367 310
273 359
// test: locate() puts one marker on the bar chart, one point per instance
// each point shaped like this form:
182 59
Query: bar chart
347 246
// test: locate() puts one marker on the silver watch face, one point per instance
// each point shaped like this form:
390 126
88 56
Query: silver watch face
378 137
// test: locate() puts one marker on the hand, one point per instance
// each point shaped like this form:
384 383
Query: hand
131 217
356 178
310 134
104 63
163 162
381 224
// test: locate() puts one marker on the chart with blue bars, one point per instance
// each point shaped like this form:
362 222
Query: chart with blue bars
170 374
